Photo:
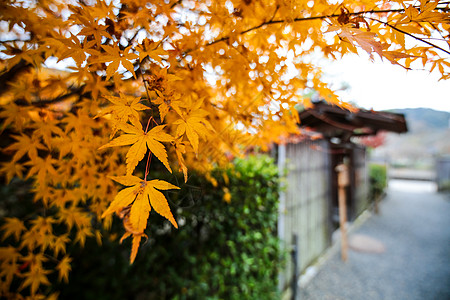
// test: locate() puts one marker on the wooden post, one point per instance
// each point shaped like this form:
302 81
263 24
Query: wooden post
377 210
343 182
294 254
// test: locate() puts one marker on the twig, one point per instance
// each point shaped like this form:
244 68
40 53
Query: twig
411 35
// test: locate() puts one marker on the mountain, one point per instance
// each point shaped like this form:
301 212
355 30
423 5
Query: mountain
428 136
424 119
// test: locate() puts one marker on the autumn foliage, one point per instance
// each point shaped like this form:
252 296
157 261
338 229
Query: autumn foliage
93 91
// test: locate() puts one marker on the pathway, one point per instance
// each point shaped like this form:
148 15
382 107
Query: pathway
413 227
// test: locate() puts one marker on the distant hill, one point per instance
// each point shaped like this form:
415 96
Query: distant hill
428 136
423 119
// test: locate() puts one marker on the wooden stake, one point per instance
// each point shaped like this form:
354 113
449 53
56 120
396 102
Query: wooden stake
342 221
343 182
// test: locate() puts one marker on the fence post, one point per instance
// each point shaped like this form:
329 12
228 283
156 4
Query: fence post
281 160
343 182
294 254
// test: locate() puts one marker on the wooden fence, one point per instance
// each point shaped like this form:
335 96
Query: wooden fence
308 208
304 209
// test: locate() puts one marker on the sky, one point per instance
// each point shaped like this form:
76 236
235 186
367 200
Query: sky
381 85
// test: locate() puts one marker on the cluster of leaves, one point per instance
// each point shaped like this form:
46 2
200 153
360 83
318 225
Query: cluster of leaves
378 180
187 83
373 141
223 250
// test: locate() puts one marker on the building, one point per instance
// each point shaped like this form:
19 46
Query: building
308 210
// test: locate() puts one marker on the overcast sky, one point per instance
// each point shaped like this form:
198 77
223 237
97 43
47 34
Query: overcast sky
381 85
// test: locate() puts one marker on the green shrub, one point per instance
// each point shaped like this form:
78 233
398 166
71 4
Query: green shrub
378 180
220 251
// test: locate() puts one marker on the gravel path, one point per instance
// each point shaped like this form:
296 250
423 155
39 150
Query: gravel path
414 227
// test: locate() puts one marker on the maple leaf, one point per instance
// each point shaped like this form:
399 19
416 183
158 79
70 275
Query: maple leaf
12 226
140 141
90 25
43 168
35 278
24 145
11 169
59 244
14 115
148 48
393 56
64 268
366 40
116 57
9 262
125 109
193 125
134 244
46 129
73 48
142 195
164 103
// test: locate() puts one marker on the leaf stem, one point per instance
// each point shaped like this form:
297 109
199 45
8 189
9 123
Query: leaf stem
148 124
147 166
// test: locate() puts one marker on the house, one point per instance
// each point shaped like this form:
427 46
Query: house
308 210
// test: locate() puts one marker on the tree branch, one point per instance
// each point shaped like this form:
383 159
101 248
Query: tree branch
44 103
411 35
272 22
12 73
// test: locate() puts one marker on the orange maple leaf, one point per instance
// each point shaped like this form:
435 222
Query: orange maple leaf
125 108
139 194
194 125
116 57
142 195
140 141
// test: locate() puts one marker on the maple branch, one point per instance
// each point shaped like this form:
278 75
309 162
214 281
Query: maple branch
272 22
134 36
11 74
44 103
410 35
14 40
176 3
383 11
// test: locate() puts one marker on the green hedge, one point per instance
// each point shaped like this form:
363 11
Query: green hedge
221 250
378 180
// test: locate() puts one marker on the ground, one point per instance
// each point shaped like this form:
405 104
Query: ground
413 228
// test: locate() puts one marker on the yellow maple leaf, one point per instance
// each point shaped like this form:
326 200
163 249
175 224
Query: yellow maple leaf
12 226
134 246
59 244
140 141
35 278
64 268
116 57
150 49
25 144
44 169
140 195
194 125
125 108
11 169
366 40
